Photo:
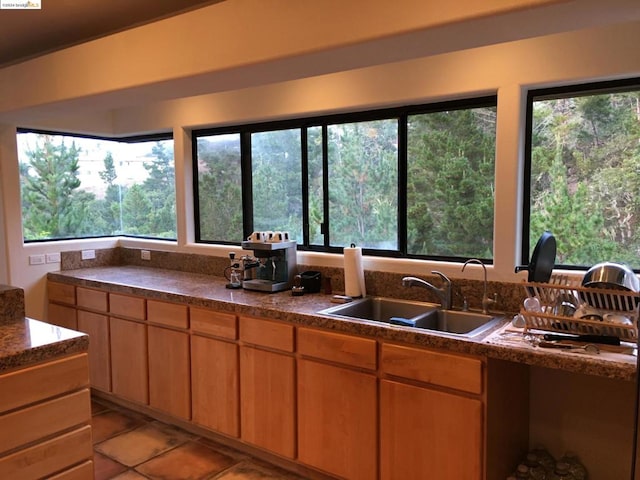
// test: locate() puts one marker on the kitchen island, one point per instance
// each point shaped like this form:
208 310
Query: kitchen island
243 365
45 407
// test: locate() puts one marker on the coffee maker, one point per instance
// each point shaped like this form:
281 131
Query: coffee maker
271 268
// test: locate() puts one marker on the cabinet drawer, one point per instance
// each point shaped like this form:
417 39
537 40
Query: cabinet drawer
33 384
92 299
210 322
61 293
84 471
336 347
53 455
266 333
169 314
447 370
127 306
44 419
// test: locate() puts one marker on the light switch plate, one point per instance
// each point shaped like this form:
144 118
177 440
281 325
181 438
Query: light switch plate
36 259
53 257
88 254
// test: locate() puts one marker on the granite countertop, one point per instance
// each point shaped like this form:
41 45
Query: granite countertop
210 292
25 341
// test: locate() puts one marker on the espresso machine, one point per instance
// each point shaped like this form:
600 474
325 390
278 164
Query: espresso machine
271 268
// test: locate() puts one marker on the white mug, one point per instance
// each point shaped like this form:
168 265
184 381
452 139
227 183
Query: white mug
257 237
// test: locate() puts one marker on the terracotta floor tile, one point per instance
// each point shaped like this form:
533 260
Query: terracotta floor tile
224 449
105 468
107 424
190 461
129 475
250 471
137 446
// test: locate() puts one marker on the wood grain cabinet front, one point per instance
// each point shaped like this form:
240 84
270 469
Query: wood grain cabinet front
426 433
337 420
169 378
97 327
215 385
45 421
129 361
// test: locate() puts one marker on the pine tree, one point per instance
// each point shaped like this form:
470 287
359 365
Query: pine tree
51 204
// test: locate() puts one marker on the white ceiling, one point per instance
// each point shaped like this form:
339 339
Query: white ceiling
28 33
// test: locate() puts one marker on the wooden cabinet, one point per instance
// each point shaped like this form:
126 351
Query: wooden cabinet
97 327
267 386
337 406
215 385
169 379
426 433
337 420
129 369
61 307
45 420
215 372
169 361
436 429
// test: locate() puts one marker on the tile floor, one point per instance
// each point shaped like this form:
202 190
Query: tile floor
132 446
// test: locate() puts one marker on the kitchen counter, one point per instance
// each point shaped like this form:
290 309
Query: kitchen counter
210 292
25 341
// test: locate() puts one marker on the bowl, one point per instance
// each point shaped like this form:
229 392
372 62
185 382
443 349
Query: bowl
610 275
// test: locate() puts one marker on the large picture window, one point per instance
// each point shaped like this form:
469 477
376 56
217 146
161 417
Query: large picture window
80 187
584 162
414 181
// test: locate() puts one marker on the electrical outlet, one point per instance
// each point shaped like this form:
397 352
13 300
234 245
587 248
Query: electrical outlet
88 254
53 257
36 259
145 254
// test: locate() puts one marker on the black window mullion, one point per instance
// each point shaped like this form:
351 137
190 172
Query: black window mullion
325 185
247 183
402 184
305 185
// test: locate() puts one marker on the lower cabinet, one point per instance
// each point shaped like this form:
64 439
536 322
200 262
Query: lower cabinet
45 420
214 385
169 379
97 327
129 369
426 433
267 400
337 420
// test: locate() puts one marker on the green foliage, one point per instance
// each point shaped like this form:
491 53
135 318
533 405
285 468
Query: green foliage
55 205
451 183
585 182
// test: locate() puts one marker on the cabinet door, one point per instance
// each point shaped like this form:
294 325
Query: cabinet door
62 316
337 427
428 434
97 327
267 400
214 385
129 370
169 385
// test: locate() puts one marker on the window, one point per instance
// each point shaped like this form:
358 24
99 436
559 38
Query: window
583 160
412 181
80 187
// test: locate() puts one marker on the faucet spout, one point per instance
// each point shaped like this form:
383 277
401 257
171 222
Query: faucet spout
486 301
443 293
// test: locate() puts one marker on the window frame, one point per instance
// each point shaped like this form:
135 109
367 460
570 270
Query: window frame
127 139
400 113
557 92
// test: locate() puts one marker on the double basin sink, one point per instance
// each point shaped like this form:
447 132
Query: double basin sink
422 315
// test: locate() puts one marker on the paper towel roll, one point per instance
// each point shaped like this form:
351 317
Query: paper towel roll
353 272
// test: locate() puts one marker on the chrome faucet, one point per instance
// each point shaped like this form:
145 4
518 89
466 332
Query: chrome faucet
486 301
444 293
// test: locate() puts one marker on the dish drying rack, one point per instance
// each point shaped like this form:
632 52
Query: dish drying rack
561 288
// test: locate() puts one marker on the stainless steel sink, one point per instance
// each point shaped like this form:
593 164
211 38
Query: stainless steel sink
422 315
